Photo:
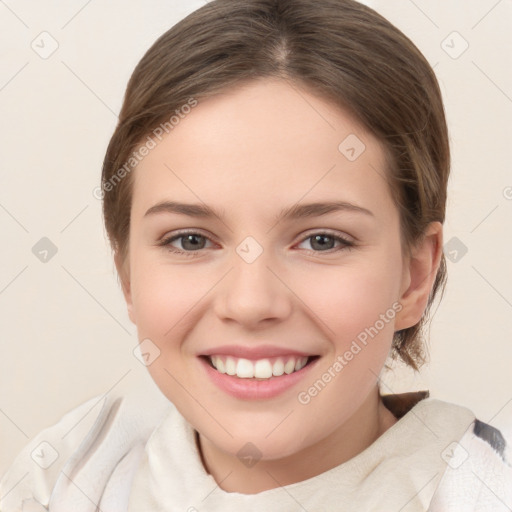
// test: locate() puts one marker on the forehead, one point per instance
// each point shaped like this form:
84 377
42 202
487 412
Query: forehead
262 143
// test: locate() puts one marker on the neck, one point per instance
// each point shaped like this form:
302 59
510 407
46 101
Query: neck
368 423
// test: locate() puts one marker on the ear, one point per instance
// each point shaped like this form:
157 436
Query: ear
419 274
123 270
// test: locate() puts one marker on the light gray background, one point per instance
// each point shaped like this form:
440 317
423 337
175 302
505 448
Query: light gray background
65 335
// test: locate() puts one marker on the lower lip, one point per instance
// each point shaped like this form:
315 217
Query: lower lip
252 389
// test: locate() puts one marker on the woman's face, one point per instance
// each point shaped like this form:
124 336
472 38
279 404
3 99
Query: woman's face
272 280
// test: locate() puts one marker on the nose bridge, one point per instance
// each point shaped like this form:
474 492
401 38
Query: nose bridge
251 291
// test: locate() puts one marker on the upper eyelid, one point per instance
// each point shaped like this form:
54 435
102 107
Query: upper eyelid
179 234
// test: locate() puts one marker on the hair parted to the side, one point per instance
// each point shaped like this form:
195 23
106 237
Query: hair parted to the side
340 50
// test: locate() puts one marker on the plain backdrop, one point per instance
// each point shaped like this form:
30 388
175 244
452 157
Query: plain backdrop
65 335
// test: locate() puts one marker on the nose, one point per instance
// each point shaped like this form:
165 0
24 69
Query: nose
253 293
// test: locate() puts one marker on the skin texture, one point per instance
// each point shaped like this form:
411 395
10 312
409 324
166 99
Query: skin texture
249 153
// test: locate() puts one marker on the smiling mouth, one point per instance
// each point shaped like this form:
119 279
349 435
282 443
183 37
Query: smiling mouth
260 369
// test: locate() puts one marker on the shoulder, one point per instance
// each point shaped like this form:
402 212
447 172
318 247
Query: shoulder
35 468
473 457
99 431
478 474
418 412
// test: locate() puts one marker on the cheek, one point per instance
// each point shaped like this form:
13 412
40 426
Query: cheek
350 299
164 299
162 296
359 307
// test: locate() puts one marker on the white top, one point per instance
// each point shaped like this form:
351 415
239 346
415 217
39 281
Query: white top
131 453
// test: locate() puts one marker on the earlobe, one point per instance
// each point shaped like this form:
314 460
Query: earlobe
123 272
419 275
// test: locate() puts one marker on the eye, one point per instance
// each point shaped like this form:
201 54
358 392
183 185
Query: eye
324 241
191 242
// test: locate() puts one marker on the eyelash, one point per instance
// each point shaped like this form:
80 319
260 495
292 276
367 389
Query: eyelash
347 244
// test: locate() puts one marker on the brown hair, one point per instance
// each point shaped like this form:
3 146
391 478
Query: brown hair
340 50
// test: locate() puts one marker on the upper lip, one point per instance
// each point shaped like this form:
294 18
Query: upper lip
254 352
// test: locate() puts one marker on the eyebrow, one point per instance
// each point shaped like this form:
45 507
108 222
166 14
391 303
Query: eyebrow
297 211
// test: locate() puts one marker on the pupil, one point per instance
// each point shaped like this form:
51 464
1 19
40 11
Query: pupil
190 239
318 238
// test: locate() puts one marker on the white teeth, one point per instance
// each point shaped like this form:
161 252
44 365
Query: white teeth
289 366
215 361
230 366
263 369
278 368
301 363
260 369
245 369
220 365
